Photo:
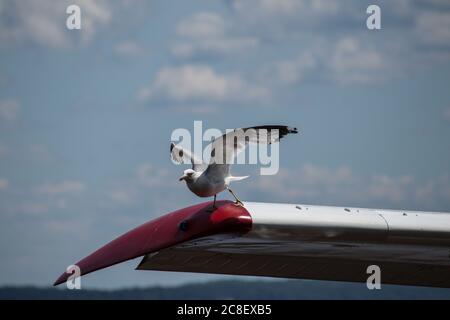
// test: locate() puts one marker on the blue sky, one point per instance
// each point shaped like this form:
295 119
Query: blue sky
86 116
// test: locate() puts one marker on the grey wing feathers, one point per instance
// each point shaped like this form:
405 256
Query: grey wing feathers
225 148
181 155
270 133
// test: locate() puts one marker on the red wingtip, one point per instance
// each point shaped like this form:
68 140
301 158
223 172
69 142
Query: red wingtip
198 220
62 278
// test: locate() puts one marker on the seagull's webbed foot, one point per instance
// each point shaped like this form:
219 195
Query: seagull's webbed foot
238 202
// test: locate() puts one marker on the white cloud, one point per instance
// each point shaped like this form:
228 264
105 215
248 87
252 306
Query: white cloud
286 8
433 190
322 185
334 34
282 18
393 189
222 46
308 181
291 71
283 7
207 33
43 22
129 49
123 196
200 25
144 188
346 61
151 176
9 110
80 228
433 28
33 209
195 109
350 62
200 83
63 188
3 184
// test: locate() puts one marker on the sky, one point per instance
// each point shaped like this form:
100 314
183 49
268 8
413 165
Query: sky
86 115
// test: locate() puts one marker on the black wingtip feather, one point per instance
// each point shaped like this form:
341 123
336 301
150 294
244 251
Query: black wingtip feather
292 130
283 130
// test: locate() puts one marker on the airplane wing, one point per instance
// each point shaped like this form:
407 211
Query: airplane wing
288 241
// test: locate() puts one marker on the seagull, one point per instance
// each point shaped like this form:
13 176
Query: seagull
207 180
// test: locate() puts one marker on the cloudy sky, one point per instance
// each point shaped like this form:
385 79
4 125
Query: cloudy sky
86 116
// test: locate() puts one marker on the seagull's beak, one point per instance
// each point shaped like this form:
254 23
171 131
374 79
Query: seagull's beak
183 177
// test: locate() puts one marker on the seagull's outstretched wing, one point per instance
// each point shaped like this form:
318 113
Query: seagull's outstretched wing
228 146
181 155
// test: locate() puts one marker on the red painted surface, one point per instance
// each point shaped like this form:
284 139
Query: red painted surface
164 232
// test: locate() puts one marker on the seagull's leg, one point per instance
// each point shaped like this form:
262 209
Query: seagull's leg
238 202
213 206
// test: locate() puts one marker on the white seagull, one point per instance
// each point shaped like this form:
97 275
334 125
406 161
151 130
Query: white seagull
207 180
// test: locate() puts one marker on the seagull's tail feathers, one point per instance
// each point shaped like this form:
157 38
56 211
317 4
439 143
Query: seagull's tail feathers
231 178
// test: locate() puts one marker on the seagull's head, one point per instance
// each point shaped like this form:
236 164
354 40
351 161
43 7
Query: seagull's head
188 175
